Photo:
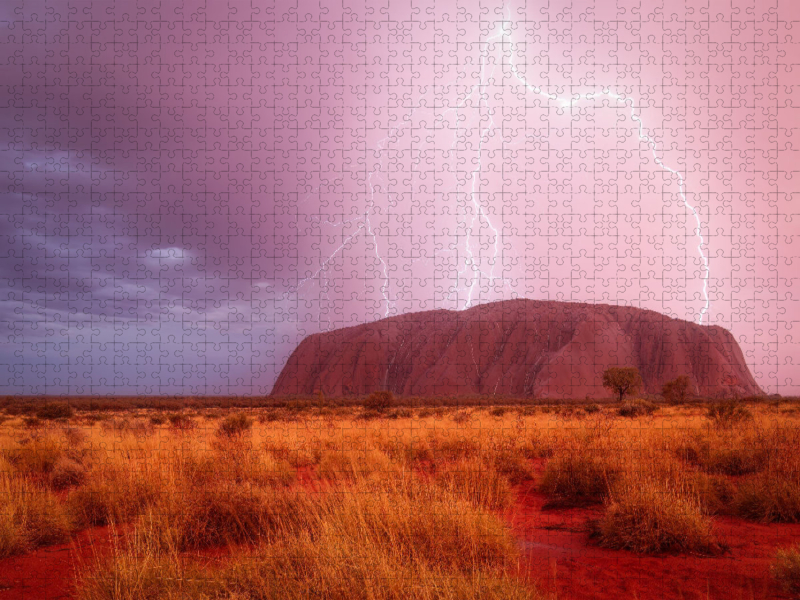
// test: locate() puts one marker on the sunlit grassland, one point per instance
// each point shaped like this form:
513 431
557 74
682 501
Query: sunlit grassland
400 504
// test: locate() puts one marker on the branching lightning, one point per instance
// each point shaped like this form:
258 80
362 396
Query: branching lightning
471 270
606 91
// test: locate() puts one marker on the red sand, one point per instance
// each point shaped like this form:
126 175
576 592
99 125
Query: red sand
49 572
560 556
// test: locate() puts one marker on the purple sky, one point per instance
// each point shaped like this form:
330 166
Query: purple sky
189 189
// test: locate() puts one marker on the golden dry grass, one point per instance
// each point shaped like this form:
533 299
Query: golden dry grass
403 504
30 516
786 569
650 514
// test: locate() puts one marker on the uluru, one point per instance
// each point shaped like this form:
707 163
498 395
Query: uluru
526 348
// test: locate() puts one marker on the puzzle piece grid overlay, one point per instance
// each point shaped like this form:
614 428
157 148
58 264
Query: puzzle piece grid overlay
191 188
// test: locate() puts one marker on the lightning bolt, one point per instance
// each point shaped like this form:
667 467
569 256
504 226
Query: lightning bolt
471 269
643 136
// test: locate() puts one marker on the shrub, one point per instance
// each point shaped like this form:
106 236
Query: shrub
269 416
591 409
370 414
461 417
236 460
379 400
235 425
454 447
75 437
677 390
400 413
726 454
728 414
32 422
181 422
54 410
714 492
646 515
637 408
113 493
786 569
124 425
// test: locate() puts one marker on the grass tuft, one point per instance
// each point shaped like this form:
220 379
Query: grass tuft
31 516
649 516
478 481
786 569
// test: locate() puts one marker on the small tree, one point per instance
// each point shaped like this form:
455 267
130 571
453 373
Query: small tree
622 380
676 390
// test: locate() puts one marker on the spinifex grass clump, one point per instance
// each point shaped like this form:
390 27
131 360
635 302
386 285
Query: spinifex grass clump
36 456
647 514
224 513
786 570
30 515
66 473
773 495
582 470
728 452
351 464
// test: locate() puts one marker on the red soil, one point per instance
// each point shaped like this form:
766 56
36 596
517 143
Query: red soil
50 572
560 556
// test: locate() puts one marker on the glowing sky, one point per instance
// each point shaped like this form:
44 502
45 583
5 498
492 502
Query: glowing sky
189 188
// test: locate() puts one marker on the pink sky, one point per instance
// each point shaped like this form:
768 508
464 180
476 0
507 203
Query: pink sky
190 189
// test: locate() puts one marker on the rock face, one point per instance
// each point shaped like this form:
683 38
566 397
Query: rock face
516 348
